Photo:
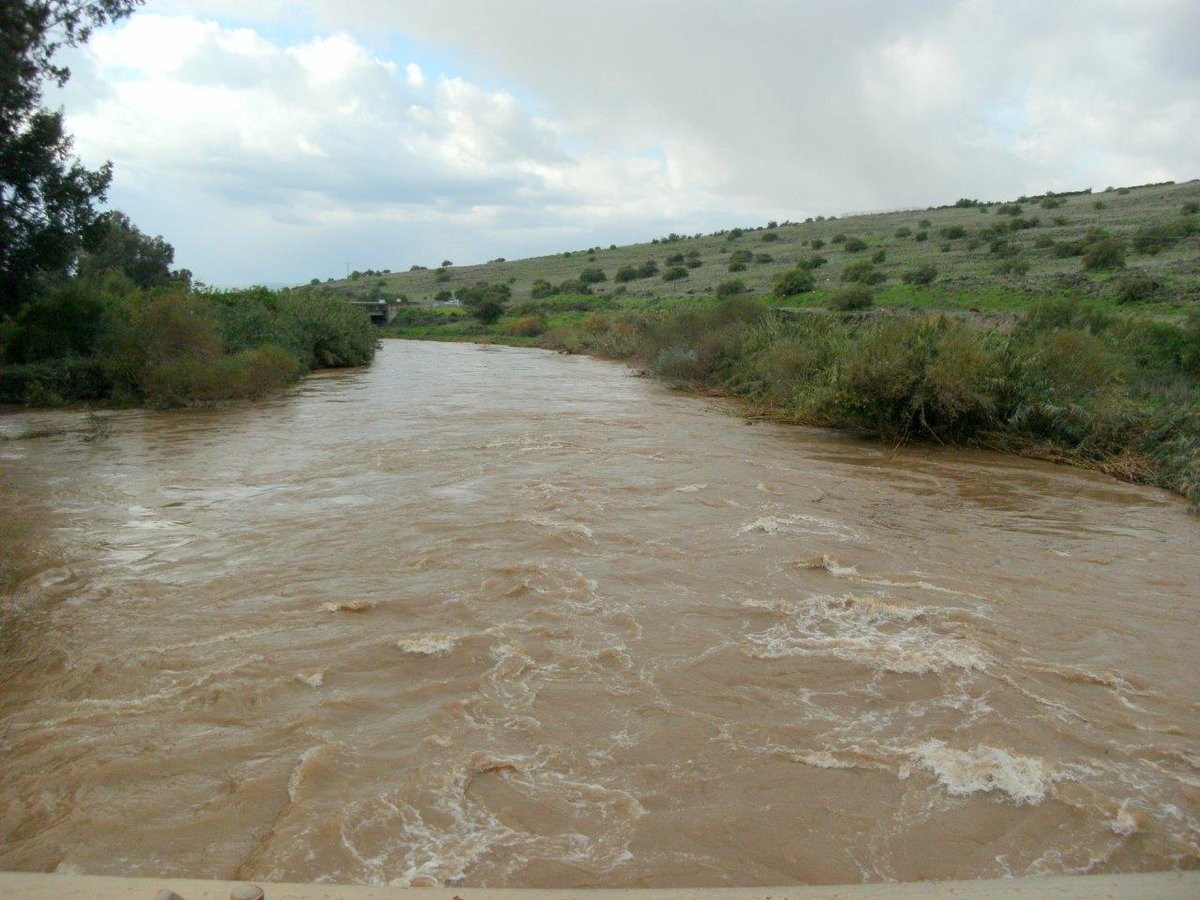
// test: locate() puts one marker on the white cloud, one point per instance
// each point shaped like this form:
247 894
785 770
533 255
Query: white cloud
322 134
565 124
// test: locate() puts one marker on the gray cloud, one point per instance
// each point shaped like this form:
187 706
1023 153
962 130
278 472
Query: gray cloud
651 116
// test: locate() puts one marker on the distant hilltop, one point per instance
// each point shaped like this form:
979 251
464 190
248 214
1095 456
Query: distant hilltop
1030 244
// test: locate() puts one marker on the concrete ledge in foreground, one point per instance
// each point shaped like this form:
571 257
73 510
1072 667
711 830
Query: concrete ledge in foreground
1156 885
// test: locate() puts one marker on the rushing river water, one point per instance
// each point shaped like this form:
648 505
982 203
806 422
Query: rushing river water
502 617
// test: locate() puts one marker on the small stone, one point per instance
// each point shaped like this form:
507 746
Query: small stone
247 892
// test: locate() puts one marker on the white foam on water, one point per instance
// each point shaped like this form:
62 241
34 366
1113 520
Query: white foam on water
983 769
867 630
797 523
296 778
830 564
822 759
575 529
316 679
691 488
1124 823
429 644
352 606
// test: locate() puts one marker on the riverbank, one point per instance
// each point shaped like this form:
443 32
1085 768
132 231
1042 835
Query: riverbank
109 344
1067 381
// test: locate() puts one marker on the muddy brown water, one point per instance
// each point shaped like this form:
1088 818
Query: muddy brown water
501 617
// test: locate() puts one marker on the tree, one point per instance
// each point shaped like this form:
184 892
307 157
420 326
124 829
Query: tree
46 195
116 244
486 302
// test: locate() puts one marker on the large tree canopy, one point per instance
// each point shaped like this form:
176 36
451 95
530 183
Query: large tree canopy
46 195
115 244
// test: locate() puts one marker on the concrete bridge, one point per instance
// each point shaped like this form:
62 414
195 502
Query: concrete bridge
381 311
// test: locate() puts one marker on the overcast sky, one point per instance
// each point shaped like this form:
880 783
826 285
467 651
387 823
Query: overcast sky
281 140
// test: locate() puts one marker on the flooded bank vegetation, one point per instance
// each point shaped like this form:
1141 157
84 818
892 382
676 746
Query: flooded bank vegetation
1066 381
173 346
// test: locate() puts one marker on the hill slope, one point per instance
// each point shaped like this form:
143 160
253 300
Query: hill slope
985 256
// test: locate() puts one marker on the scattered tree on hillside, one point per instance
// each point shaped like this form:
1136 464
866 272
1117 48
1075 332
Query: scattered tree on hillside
486 302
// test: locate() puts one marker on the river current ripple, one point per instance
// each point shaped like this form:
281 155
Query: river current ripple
493 616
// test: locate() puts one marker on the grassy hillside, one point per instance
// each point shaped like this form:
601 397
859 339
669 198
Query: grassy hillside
992 256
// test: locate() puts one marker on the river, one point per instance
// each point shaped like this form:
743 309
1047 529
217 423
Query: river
501 617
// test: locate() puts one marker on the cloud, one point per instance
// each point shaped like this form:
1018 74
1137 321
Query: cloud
323 134
560 125
849 104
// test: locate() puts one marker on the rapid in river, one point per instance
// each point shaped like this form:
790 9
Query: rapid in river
495 616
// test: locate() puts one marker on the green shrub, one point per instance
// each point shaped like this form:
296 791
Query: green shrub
592 276
953 232
921 236
53 382
1012 264
812 262
925 273
1190 208
573 287
526 326
925 223
541 289
791 282
852 297
1009 209
486 302
1061 220
675 259
67 322
838 238
879 256
763 258
731 288
1103 251
675 273
855 245
862 272
903 231
648 269
1136 287
737 267
816 243
935 378
1153 239
770 236
741 256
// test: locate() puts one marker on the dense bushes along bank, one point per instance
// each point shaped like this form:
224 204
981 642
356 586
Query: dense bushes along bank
1068 382
173 346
